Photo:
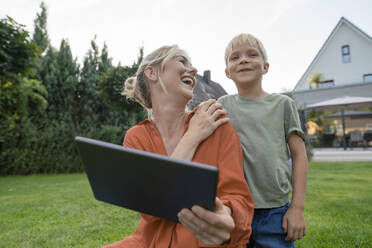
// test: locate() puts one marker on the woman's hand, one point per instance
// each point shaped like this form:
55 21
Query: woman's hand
202 124
211 228
206 120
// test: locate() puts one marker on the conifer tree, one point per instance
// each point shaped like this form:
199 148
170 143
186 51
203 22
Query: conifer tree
48 75
67 76
40 36
86 90
116 110
105 62
44 62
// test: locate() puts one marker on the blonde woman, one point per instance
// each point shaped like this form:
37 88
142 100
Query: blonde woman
164 84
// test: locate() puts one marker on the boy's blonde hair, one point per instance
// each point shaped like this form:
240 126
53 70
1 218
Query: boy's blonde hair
245 39
137 87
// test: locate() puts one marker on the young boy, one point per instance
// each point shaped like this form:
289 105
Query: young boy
267 125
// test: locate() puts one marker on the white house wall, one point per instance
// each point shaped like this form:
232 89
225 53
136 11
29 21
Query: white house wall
329 60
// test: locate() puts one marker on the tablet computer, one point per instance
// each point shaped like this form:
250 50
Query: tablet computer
146 182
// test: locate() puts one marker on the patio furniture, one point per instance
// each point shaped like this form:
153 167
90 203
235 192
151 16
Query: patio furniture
342 103
356 137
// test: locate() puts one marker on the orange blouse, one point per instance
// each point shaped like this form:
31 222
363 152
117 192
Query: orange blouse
221 149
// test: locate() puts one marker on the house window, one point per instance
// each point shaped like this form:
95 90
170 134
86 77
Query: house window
367 78
326 84
345 50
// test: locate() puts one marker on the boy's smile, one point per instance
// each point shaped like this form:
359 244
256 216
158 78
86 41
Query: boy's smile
246 65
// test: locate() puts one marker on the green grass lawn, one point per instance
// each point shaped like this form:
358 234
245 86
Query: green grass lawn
60 210
339 205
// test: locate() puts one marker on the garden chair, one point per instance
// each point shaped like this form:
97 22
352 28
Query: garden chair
356 137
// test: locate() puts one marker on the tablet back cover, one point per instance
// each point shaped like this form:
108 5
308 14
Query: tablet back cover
146 182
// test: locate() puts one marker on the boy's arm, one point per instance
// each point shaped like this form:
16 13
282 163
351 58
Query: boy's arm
294 219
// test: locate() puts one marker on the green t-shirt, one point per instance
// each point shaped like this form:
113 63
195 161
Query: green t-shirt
263 126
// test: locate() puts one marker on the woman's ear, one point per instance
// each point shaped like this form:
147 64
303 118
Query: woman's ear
151 73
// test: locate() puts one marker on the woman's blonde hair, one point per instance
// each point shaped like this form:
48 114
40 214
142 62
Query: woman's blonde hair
245 39
137 87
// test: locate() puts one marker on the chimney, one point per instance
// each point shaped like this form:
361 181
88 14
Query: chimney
207 76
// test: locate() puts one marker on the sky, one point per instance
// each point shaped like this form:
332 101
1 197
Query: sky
292 31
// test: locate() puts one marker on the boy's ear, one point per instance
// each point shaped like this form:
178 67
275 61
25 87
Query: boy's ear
266 68
151 73
227 73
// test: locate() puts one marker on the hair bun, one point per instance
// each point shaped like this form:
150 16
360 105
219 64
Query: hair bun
130 87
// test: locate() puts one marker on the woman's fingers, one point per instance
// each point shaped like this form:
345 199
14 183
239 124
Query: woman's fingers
199 228
207 119
213 107
218 113
187 218
204 106
206 226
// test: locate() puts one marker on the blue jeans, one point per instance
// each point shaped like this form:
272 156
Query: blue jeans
267 231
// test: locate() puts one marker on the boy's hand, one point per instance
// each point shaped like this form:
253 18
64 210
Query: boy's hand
206 120
210 228
294 223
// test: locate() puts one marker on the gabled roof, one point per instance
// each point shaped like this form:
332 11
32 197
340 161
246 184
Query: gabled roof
345 21
205 89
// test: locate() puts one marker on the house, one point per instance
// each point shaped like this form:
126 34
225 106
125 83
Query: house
343 67
205 89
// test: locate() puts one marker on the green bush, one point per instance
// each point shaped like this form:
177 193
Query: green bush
50 149
107 133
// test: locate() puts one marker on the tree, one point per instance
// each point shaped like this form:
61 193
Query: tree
86 90
17 64
115 109
67 80
59 72
40 36
48 74
17 53
105 62
20 94
46 100
95 66
315 80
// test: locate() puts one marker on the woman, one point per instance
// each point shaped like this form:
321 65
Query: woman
164 84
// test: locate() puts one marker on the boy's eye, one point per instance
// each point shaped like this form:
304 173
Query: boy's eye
253 54
235 57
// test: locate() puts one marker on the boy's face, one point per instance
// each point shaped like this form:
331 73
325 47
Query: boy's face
245 65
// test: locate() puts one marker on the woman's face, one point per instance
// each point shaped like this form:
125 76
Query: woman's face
178 76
